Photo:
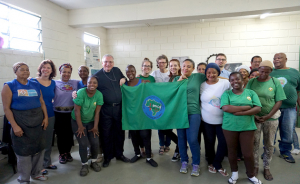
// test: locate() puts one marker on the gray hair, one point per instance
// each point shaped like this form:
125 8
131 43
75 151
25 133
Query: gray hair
107 55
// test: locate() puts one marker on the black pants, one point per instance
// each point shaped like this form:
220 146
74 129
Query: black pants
63 129
201 131
146 138
113 136
210 134
169 133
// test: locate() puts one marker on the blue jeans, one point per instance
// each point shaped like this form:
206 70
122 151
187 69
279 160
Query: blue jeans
286 126
164 140
190 135
295 137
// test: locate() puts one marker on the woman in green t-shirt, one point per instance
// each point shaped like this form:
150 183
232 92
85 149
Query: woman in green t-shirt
239 106
85 119
271 94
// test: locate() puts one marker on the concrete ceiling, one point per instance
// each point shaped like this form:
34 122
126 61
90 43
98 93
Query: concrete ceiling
81 4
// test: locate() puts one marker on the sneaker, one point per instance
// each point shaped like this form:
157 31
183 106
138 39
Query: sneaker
152 162
40 177
195 171
175 157
295 151
99 158
95 166
135 158
289 158
69 158
84 170
184 167
62 159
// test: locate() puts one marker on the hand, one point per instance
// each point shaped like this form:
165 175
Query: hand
74 94
95 131
122 81
264 118
138 75
256 118
45 123
18 131
80 131
182 77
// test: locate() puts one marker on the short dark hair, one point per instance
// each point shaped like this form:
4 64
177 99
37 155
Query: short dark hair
238 73
162 57
253 70
255 57
50 62
190 60
147 59
221 54
202 64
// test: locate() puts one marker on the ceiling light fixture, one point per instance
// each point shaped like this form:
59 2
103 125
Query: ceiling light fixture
262 16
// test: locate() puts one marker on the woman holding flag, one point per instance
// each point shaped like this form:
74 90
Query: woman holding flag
191 134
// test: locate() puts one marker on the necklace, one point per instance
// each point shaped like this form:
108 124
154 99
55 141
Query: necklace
108 77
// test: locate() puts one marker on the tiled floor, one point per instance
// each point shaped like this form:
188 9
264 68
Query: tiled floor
142 173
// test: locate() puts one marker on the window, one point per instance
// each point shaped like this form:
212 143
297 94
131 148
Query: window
89 38
20 29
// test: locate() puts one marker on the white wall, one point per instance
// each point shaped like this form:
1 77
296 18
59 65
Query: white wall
239 39
61 43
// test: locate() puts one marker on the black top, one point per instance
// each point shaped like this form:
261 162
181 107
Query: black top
109 85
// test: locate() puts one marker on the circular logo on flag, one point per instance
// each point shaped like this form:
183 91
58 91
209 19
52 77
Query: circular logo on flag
153 107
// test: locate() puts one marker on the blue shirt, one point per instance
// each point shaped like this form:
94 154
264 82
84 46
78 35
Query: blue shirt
80 85
24 97
48 95
225 73
140 81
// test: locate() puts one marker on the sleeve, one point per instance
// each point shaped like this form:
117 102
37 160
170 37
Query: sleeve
100 98
79 100
225 99
255 99
279 92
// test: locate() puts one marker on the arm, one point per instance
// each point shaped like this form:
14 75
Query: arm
96 121
43 105
250 112
234 109
273 111
122 81
6 100
80 130
145 81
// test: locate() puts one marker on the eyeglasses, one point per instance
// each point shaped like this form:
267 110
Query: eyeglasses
110 62
162 62
146 66
221 59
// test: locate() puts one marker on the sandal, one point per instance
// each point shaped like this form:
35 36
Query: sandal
255 182
231 181
167 148
223 172
268 177
211 169
161 150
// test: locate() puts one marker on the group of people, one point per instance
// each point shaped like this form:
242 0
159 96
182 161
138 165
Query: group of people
232 107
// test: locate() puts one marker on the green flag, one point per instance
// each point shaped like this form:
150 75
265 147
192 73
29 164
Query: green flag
155 106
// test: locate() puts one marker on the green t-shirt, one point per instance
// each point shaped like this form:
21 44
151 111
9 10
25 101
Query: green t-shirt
150 78
88 105
193 92
269 93
239 123
290 81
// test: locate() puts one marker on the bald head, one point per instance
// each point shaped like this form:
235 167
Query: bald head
280 60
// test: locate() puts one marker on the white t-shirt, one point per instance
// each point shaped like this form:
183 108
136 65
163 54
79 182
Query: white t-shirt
210 96
160 77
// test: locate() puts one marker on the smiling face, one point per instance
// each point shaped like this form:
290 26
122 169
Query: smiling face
254 74
162 64
92 84
83 73
201 69
146 67
280 60
244 73
108 63
23 72
212 74
130 72
174 67
46 70
66 74
264 72
255 63
236 81
187 68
